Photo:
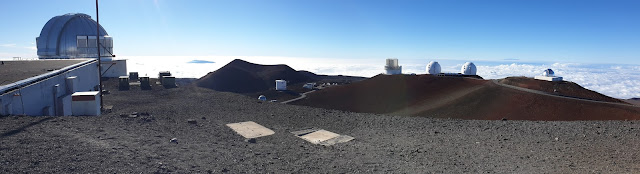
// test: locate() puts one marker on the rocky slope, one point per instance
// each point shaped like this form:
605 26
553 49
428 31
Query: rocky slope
466 98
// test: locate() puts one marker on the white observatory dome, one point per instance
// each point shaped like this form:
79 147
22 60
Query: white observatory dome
433 68
468 69
548 73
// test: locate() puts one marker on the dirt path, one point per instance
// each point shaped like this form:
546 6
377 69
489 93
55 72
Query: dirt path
495 81
303 95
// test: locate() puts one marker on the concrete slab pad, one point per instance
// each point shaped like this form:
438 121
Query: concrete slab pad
322 137
305 131
250 129
336 140
319 136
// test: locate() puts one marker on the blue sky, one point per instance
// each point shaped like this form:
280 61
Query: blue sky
537 30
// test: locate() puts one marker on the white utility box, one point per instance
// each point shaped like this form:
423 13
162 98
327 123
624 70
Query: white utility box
85 103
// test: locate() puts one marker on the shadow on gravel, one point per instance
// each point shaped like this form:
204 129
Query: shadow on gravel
16 131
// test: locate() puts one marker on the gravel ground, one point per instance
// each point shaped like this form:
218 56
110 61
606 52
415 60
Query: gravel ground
383 143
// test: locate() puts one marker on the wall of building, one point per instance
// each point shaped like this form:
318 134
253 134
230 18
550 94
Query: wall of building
393 71
549 78
44 98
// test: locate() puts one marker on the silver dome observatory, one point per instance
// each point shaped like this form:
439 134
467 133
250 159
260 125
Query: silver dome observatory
72 36
433 68
468 69
548 73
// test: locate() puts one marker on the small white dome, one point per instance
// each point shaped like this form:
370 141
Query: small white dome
433 68
468 69
548 73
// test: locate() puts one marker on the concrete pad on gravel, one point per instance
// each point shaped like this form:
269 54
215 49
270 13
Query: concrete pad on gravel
322 137
250 129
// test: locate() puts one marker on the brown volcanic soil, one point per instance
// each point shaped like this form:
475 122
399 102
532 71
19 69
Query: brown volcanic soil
563 88
635 101
387 94
383 144
464 98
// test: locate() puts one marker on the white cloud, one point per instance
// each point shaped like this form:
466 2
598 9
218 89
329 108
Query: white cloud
34 48
8 45
619 81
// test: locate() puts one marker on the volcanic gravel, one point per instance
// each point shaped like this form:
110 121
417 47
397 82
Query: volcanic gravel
124 142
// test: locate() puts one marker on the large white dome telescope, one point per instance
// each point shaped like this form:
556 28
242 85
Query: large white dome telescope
468 69
548 73
433 68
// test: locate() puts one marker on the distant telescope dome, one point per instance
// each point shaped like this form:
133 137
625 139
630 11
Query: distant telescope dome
433 68
262 98
468 69
72 36
548 73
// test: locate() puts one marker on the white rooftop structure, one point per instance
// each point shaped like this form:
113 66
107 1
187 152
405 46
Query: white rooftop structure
468 69
548 75
281 85
392 67
85 103
433 68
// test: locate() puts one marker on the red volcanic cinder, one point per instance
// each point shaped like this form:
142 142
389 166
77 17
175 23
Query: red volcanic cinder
470 98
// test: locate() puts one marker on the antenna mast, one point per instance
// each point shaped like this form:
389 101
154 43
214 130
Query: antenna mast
99 59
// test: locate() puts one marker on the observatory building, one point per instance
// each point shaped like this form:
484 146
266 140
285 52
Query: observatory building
433 68
73 36
64 81
468 69
392 67
281 85
49 87
548 75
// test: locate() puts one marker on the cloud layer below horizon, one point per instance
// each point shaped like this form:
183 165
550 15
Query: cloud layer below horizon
615 80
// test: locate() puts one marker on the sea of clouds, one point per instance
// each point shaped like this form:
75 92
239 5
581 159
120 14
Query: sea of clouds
615 80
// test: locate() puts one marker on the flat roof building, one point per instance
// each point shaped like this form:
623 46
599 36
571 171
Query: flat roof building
44 87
